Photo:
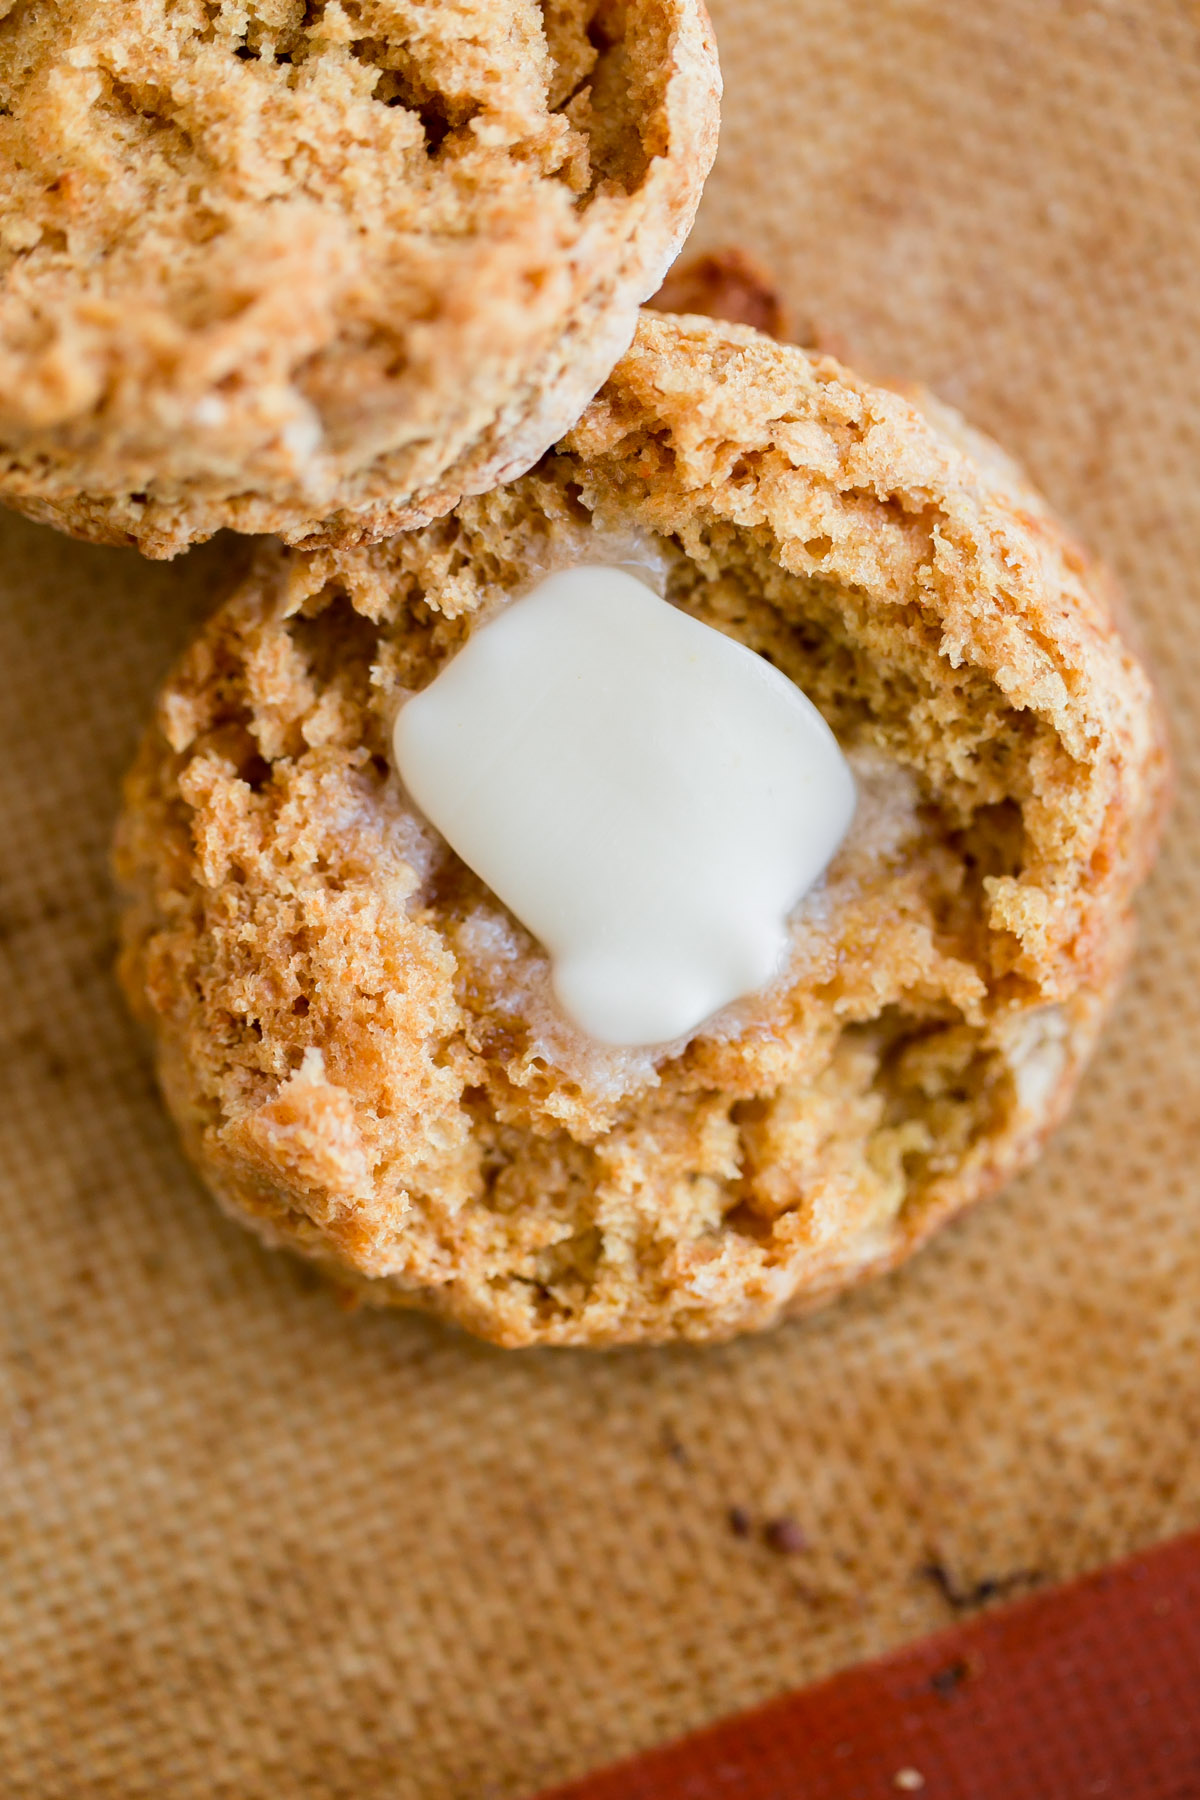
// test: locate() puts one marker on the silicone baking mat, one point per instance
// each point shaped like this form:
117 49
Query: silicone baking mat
254 1545
1092 1689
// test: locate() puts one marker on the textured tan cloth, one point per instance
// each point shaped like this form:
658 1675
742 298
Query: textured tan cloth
256 1547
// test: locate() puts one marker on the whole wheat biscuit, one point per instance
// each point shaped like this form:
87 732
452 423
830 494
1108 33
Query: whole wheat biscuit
320 270
728 284
355 1037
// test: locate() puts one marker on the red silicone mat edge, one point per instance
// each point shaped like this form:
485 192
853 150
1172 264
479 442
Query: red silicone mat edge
1092 1689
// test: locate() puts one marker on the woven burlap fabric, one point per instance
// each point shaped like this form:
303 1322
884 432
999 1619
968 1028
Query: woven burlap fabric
256 1546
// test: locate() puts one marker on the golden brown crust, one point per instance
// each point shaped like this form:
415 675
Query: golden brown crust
355 1037
321 271
728 284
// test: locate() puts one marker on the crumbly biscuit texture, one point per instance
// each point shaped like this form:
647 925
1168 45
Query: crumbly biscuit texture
319 270
357 1039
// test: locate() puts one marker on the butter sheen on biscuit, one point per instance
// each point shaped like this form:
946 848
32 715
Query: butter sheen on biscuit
357 1040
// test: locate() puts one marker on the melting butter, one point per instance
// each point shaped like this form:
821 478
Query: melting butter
648 796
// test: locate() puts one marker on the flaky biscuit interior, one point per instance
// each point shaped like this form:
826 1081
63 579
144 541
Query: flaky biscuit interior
358 1040
321 269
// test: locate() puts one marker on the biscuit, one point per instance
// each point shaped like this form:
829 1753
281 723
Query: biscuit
728 284
355 1038
322 270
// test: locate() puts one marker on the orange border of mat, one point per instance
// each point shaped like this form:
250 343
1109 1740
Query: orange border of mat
1090 1690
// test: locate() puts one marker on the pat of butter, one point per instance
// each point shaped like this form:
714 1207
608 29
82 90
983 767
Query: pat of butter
649 797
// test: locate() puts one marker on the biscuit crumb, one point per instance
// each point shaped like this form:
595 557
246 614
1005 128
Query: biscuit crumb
785 1537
